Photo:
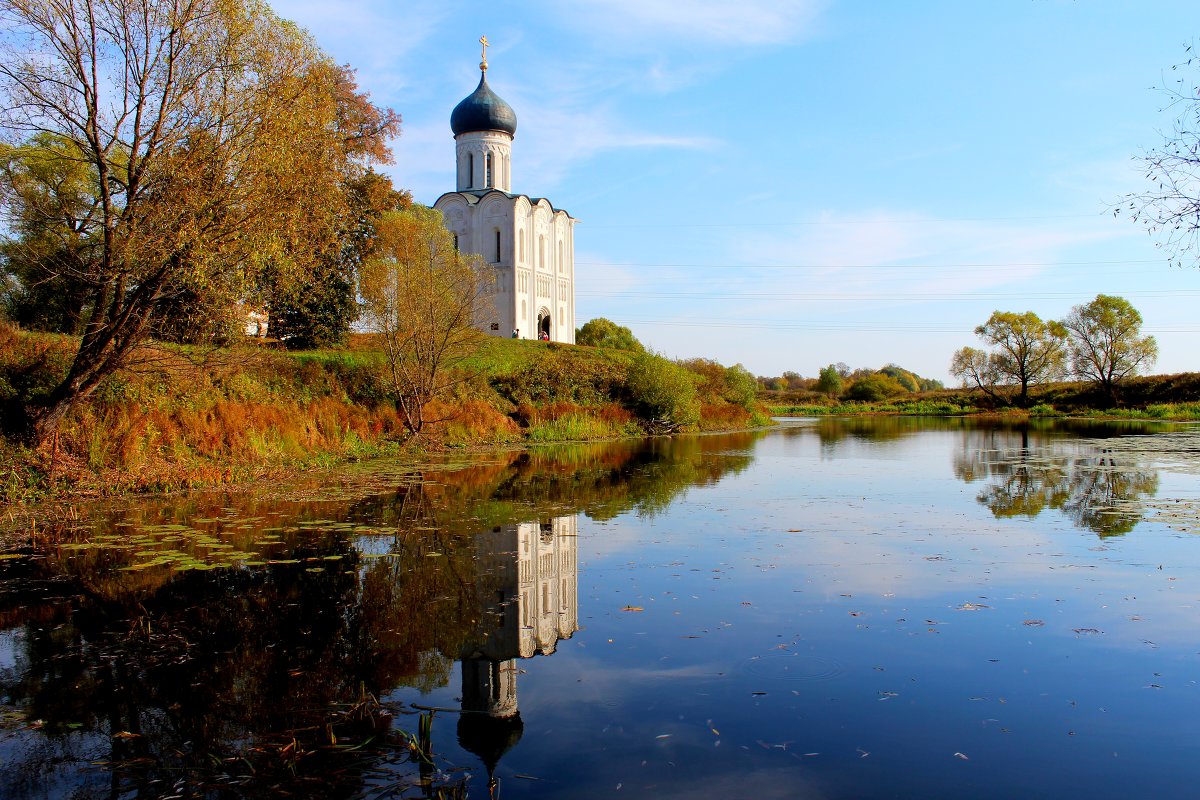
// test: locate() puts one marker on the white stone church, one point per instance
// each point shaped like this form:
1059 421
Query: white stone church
529 243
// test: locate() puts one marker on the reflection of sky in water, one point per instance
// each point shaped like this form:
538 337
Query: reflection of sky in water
9 641
847 618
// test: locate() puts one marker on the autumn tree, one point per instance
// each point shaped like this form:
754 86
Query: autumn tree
319 310
53 214
874 387
602 332
1025 351
1171 208
829 381
422 298
974 367
1106 344
909 380
217 148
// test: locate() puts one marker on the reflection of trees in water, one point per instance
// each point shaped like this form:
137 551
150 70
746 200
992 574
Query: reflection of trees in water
1091 487
239 680
832 430
602 480
200 682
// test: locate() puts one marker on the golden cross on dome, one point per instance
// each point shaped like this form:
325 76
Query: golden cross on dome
483 63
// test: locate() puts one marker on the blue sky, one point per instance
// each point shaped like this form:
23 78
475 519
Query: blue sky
792 183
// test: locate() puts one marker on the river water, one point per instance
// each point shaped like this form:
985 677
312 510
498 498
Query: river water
830 609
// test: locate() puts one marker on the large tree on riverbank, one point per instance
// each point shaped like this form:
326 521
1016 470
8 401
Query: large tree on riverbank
219 141
1106 342
1025 350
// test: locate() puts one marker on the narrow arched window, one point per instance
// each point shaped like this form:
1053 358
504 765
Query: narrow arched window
497 259
456 241
542 252
488 164
560 260
470 170
522 247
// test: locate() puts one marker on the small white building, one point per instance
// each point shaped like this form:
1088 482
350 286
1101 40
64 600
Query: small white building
528 242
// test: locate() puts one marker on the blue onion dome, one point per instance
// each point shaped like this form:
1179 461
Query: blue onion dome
483 110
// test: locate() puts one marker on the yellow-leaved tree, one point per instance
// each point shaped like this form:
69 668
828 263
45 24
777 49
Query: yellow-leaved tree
422 298
218 145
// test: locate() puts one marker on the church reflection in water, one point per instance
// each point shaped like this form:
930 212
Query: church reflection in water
528 578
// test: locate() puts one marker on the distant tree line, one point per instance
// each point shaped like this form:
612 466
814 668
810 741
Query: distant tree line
862 384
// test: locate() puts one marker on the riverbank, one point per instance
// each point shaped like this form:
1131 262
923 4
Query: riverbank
185 418
1151 397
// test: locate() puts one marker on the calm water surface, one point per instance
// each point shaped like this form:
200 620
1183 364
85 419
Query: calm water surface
831 609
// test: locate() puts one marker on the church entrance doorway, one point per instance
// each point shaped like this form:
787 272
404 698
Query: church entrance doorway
543 325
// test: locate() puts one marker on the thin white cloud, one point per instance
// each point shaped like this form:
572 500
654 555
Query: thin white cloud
893 240
563 136
749 22
367 34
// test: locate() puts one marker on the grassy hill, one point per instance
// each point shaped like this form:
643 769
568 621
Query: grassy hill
186 417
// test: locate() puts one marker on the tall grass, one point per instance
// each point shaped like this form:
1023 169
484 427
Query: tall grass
1166 411
574 428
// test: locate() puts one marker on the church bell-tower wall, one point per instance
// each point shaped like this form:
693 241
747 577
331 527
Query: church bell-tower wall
484 161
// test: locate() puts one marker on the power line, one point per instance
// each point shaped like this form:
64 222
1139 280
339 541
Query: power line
805 223
721 295
1000 265
846 327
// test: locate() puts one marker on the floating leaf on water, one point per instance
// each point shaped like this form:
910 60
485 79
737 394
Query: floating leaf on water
333 558
962 756
1033 623
9 556
315 569
633 608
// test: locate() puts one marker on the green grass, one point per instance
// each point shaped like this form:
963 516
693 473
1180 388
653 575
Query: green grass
573 428
915 407
344 358
1167 411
